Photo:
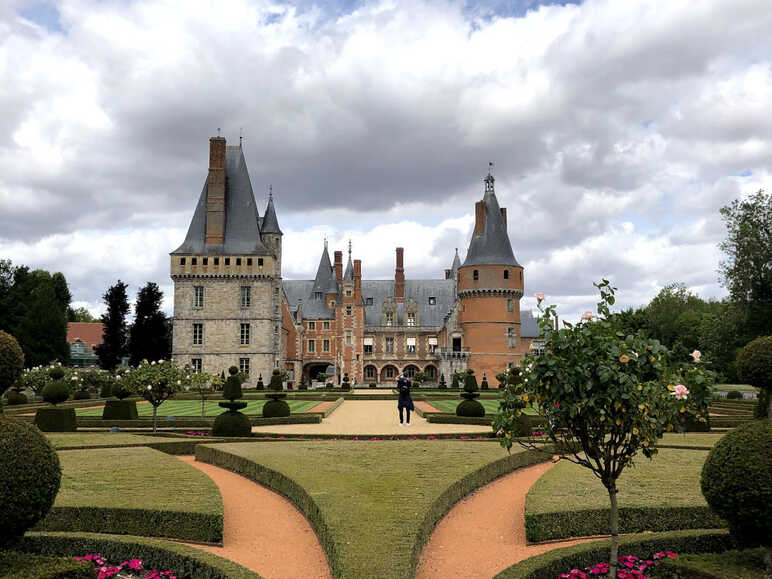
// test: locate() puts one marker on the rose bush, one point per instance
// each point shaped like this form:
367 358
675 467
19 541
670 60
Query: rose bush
156 382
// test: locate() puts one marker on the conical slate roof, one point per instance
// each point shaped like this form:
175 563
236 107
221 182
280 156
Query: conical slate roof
493 246
349 275
325 281
242 233
456 262
270 224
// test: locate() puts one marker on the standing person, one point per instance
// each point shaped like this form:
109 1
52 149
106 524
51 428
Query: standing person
405 401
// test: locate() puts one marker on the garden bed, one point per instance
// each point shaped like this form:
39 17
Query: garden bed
658 495
135 491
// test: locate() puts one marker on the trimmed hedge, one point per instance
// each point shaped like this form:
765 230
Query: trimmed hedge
201 527
183 560
14 565
194 422
332 407
120 410
551 564
54 419
744 564
588 522
14 398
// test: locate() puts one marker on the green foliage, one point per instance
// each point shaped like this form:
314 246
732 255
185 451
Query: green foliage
56 372
29 478
470 408
419 378
15 398
737 564
114 336
56 419
34 379
149 334
737 482
443 385
277 377
232 389
761 409
275 409
81 315
232 423
346 382
470 381
11 361
14 564
120 410
156 382
754 363
81 395
260 385
734 395
56 392
484 383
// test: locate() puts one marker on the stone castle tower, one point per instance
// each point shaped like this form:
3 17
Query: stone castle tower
227 274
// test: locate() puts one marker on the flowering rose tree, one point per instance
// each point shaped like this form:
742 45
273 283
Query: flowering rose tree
604 396
156 382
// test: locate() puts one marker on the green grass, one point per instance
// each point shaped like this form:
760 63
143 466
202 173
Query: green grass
63 440
134 478
373 495
670 479
193 408
734 387
745 564
491 406
691 439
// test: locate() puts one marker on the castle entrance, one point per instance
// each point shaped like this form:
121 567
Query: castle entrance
312 370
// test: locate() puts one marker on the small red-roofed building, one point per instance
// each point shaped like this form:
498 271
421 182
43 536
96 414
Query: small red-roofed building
83 337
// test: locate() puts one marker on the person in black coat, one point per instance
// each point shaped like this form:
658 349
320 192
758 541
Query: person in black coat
405 402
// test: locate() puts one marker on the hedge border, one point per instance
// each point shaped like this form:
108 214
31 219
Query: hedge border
43 567
196 422
185 560
541 527
180 525
288 487
549 565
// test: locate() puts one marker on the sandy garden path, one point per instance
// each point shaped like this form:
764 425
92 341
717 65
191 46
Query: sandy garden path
492 520
371 417
264 531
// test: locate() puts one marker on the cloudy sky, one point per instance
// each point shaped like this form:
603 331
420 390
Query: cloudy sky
617 128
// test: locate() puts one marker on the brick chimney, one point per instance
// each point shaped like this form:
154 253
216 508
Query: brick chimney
479 218
399 276
339 266
358 279
215 193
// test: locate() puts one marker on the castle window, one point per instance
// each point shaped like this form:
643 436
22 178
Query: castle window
332 304
227 261
506 274
246 296
389 319
511 338
348 310
432 301
249 261
182 261
368 345
193 260
317 295
206 261
510 305
432 342
198 334
390 371
311 345
348 293
521 276
276 291
238 261
389 345
311 325
198 296
244 335
244 366
411 345
326 325
259 262
411 319
369 301
195 365
217 261
348 338
370 372
325 345
475 275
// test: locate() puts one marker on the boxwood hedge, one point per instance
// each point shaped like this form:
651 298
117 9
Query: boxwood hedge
14 564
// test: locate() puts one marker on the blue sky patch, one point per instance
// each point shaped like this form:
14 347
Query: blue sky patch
45 14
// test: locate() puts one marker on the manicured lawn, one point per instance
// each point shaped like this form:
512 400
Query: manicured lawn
491 406
193 408
373 495
734 388
69 439
707 439
134 478
670 479
746 564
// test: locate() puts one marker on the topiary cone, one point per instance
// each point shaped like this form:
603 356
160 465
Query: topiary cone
232 422
276 407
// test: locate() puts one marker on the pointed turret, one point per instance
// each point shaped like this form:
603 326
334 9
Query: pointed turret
349 275
270 224
456 263
325 281
490 242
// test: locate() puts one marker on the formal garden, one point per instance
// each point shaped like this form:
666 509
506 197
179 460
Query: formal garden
639 468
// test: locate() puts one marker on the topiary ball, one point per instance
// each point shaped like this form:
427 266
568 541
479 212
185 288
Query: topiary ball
275 409
14 398
232 424
30 476
233 370
56 373
56 392
470 408
737 482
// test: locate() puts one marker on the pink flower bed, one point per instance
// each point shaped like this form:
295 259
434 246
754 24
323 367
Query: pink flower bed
131 569
630 567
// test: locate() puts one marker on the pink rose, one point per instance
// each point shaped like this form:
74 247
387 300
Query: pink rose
540 296
680 392
696 355
588 316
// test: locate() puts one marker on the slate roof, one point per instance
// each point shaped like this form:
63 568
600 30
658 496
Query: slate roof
302 290
349 275
529 327
493 246
269 223
242 231
456 263
325 280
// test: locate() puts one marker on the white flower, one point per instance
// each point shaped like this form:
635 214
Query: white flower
179 382
696 355
149 387
160 361
74 379
152 363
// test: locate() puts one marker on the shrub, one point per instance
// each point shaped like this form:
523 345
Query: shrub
15 564
56 392
232 424
442 385
761 410
81 395
469 406
14 398
754 364
276 407
106 390
120 410
56 419
30 476
260 385
346 384
372 385
56 372
11 361
737 482
484 383
734 395
303 385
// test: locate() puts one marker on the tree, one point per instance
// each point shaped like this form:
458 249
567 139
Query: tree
11 362
203 384
81 315
755 367
113 346
747 272
156 382
149 332
604 397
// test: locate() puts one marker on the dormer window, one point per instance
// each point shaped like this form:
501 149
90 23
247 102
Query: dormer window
411 318
389 319
432 300
317 295
369 301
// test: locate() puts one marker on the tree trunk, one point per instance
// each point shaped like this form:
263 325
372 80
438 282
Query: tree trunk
155 412
614 528
769 404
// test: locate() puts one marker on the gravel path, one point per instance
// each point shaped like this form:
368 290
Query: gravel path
371 417
263 531
492 520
